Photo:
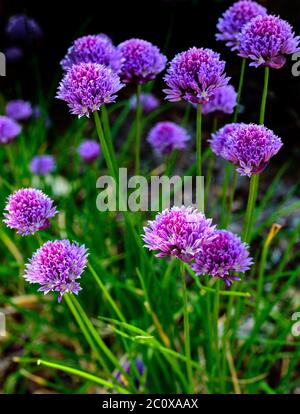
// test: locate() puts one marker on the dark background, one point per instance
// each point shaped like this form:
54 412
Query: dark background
173 25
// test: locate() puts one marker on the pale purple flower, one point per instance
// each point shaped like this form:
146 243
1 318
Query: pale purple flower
18 109
219 138
89 150
141 61
266 40
88 86
56 267
250 147
28 210
131 371
42 164
93 49
179 232
194 75
22 27
165 137
225 257
13 54
9 129
234 18
224 101
148 102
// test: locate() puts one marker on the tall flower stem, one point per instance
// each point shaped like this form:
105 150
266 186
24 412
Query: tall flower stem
264 96
231 197
198 140
104 146
108 135
254 181
211 159
250 208
240 88
138 130
186 323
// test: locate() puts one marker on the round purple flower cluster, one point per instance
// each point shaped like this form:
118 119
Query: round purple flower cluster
89 150
179 232
42 164
223 256
93 49
141 61
248 146
9 129
18 109
166 137
266 40
225 100
234 18
28 210
194 75
186 234
219 138
88 86
56 266
148 102
22 27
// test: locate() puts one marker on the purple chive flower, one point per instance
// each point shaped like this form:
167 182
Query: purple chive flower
28 210
13 54
166 137
179 232
88 86
250 147
9 129
234 18
21 27
42 164
194 76
89 150
224 257
56 266
93 49
266 40
225 100
18 109
148 102
219 138
127 368
142 61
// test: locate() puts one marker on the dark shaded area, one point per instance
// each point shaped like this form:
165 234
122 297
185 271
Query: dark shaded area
174 25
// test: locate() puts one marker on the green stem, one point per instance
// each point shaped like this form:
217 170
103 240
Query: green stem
138 130
231 197
104 147
85 332
246 235
264 96
210 167
241 82
186 328
170 162
225 184
108 136
82 374
198 141
106 294
216 330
